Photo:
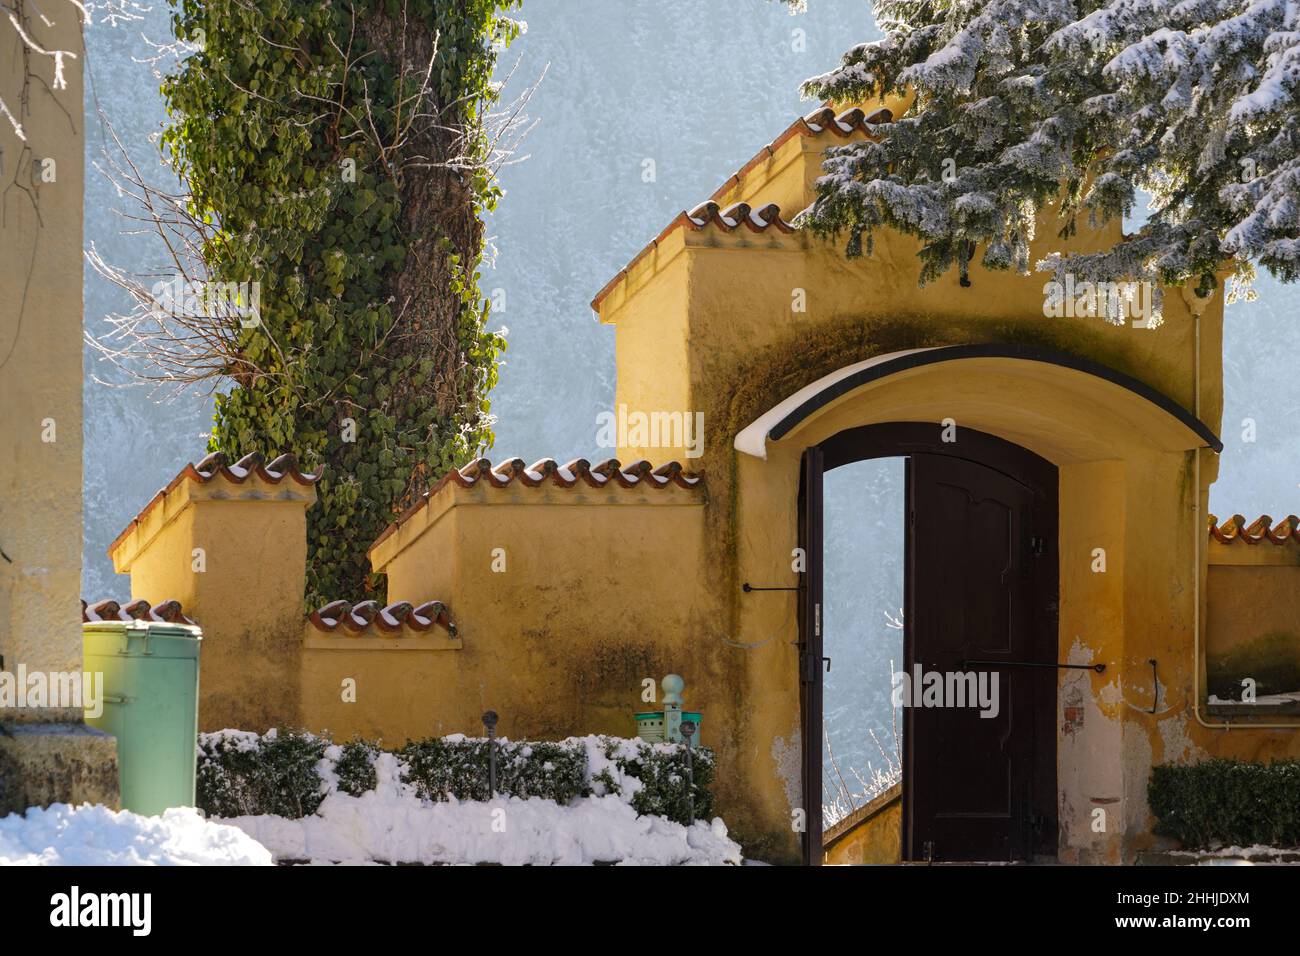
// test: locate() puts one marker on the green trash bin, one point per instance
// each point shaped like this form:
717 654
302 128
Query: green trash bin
151 705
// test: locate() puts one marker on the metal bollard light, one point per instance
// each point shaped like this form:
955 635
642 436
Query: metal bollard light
688 731
490 725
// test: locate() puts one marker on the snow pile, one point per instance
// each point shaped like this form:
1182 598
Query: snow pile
391 824
93 835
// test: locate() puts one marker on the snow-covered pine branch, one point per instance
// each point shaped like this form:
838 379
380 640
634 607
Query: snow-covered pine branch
1024 105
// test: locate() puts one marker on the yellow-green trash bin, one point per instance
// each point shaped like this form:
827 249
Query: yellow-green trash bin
150 704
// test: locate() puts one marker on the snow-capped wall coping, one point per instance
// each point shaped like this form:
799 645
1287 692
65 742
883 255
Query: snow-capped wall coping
610 477
167 612
399 625
251 478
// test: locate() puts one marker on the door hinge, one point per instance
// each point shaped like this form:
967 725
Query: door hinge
927 851
809 665
1037 545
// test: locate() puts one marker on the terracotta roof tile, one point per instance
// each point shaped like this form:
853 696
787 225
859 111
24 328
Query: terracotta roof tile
610 472
168 612
284 466
1258 531
737 215
578 471
819 121
369 618
217 465
823 120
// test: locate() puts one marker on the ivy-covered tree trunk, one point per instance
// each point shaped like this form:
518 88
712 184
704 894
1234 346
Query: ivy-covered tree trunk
342 150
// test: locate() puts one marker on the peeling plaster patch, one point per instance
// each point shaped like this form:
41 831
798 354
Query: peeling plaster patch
1064 817
1110 695
1137 769
789 767
1072 708
1079 652
1089 772
1177 743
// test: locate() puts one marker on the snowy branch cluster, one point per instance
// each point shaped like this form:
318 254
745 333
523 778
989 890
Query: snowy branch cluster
1077 105
21 25
19 14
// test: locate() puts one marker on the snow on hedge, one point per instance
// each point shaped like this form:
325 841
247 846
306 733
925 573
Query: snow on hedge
391 824
93 835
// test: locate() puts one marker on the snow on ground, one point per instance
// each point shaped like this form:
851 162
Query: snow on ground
93 835
1242 856
390 824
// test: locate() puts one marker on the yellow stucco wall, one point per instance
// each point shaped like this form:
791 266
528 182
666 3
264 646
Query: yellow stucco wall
1253 599
604 589
47 754
872 835
1250 601
40 361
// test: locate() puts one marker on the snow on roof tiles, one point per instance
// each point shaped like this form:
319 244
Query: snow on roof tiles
566 476
610 472
168 612
369 617
216 465
737 215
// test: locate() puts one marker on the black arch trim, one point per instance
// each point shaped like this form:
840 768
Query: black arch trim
1030 353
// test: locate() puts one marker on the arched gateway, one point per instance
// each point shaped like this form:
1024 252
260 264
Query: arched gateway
993 436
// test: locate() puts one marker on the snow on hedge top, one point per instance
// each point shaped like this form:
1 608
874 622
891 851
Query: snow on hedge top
390 824
93 835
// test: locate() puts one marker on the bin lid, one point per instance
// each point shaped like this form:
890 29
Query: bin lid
144 638
155 628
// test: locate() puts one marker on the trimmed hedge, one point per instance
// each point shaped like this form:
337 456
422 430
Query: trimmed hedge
289 774
442 767
661 769
242 774
1228 803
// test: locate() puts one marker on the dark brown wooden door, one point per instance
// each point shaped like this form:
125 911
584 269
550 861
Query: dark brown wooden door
811 539
979 769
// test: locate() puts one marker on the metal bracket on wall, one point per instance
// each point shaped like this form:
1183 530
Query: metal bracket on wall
1155 686
747 587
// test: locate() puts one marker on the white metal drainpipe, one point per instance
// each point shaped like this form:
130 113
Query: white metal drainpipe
1200 531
